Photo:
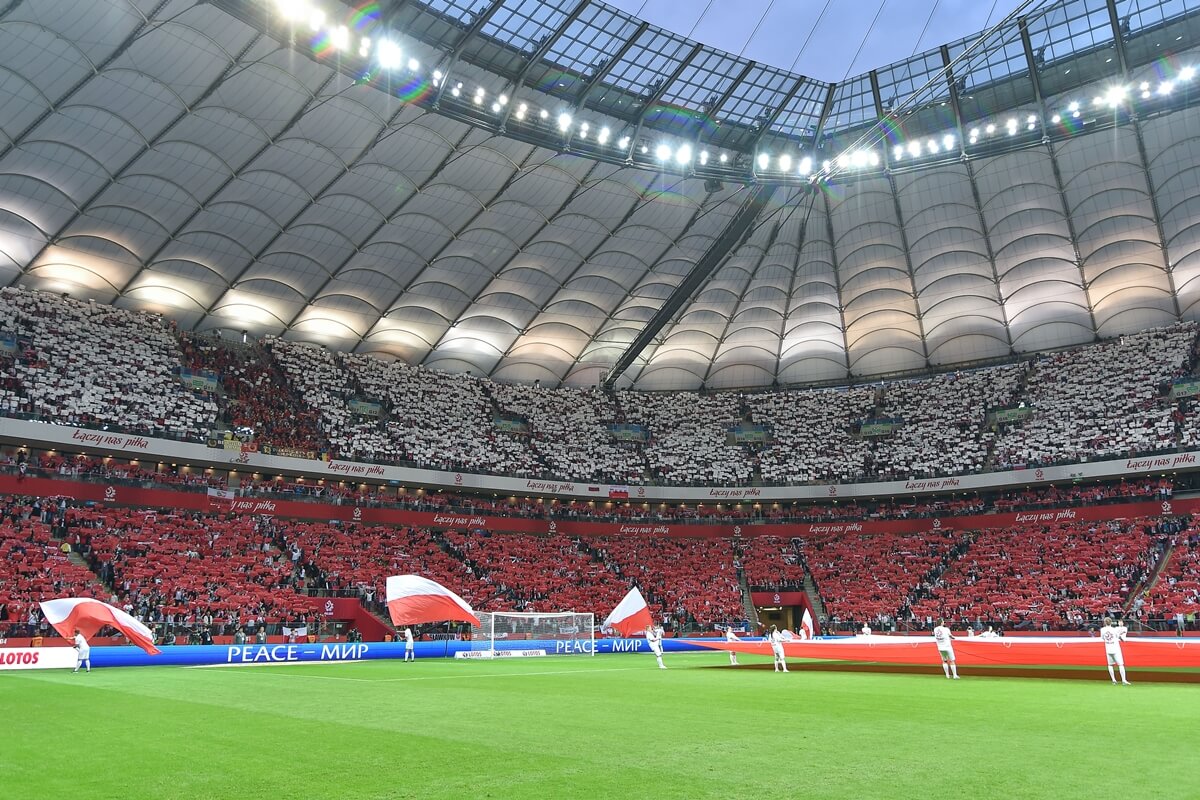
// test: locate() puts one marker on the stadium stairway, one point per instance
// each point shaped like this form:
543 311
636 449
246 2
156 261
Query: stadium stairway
477 569
814 597
102 588
934 576
379 615
1150 580
747 599
1018 397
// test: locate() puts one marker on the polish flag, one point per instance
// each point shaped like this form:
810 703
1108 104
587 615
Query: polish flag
807 631
89 616
412 599
630 616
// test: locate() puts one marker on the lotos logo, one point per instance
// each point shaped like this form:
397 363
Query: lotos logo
458 479
19 658
1166 507
357 514
110 494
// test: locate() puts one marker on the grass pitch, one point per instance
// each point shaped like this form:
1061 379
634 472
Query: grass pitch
580 727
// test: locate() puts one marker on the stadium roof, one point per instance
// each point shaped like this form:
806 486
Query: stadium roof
828 41
233 166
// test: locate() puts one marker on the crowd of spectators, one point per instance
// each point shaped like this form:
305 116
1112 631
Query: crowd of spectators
538 573
1175 596
872 577
96 366
568 429
33 563
1063 575
944 427
219 574
427 418
356 560
1109 399
116 470
813 438
178 570
683 580
688 437
259 405
772 563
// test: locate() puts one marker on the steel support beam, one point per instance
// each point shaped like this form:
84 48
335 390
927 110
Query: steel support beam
725 244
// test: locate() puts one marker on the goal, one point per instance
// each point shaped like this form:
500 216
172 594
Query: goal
560 633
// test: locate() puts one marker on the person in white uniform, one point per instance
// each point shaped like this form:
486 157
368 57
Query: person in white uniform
776 639
654 636
866 630
1112 634
730 636
83 652
408 645
944 640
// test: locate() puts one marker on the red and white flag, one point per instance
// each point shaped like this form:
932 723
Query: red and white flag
89 616
412 599
630 616
807 631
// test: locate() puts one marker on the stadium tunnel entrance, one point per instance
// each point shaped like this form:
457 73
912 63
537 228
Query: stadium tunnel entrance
784 609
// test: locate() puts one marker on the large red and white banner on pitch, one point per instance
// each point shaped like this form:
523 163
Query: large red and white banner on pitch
1013 652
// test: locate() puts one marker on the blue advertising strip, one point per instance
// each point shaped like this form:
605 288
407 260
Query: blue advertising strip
211 655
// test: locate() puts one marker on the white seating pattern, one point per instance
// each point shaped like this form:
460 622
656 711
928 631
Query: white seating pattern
812 437
1099 401
944 417
688 436
570 432
99 365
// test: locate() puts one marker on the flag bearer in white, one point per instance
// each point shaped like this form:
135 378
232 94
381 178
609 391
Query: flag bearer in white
730 636
408 645
944 639
776 639
654 636
1112 634
83 652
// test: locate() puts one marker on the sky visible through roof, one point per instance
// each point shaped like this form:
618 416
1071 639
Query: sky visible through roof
824 40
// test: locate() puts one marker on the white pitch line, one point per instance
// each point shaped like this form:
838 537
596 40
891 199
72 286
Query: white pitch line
467 676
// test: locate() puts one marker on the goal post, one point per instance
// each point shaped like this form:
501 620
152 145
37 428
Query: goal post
558 633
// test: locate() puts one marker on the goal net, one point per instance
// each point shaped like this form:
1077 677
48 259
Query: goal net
565 633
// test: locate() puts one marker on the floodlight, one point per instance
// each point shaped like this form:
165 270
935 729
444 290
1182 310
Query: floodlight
387 53
339 37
